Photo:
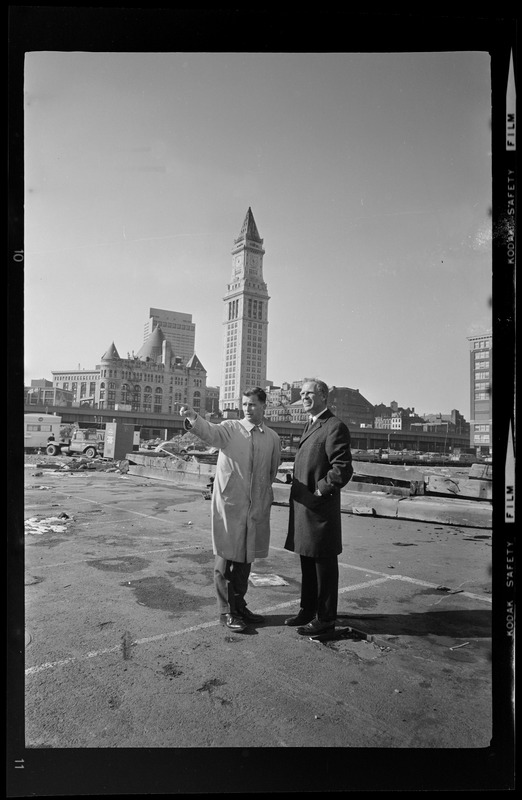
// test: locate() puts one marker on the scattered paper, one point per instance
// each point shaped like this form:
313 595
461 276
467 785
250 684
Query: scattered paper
266 580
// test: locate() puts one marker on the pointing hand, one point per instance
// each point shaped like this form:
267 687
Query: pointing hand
187 411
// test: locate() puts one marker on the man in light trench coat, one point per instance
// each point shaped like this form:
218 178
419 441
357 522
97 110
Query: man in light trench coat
242 495
323 465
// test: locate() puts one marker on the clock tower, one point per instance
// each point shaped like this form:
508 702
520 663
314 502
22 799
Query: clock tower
245 319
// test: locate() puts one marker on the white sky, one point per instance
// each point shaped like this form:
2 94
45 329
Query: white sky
369 177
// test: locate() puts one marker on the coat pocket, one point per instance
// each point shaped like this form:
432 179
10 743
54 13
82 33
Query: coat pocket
300 493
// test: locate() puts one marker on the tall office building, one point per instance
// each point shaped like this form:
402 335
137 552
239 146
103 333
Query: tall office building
481 374
177 328
245 319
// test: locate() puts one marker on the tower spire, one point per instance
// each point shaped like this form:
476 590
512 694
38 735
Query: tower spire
249 229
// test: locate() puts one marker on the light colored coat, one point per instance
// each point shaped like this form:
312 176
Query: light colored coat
242 495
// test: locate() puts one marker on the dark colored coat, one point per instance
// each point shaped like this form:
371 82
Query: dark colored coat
323 461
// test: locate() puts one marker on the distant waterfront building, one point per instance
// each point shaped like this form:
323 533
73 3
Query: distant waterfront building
350 406
177 328
393 423
43 393
298 416
481 376
442 423
153 381
285 405
394 417
279 398
245 318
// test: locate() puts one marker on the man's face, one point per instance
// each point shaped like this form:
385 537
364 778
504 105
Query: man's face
253 409
313 400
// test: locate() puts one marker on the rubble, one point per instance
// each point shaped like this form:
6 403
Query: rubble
39 525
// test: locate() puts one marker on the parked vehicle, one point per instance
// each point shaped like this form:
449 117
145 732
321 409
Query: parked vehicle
89 442
193 449
39 429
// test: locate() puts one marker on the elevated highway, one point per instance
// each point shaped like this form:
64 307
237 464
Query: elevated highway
166 426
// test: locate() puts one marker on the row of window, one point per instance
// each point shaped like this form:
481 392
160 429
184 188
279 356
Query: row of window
90 390
131 375
254 309
147 405
83 388
176 325
70 377
40 428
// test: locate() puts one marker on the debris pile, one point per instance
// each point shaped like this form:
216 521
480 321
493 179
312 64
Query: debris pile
38 525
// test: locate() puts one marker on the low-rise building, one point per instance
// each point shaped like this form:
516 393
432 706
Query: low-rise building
43 393
350 406
153 380
279 399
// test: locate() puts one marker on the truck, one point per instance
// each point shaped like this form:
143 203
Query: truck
89 442
40 429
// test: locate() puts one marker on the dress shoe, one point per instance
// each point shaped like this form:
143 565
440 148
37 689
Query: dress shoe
301 619
248 616
233 622
316 626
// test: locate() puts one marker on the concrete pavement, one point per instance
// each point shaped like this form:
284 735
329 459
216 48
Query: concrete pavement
125 650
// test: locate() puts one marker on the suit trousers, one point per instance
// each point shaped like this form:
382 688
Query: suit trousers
231 584
320 587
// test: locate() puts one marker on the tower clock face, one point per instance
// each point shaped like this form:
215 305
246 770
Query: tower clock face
237 264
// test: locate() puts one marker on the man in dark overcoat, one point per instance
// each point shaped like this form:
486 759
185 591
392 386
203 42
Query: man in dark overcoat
323 465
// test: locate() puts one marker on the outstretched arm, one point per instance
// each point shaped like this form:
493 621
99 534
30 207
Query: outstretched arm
216 435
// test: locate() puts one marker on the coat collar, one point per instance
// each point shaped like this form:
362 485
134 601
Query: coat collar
249 425
317 424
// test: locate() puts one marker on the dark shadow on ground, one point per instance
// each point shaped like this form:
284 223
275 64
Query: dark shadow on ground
438 623
473 624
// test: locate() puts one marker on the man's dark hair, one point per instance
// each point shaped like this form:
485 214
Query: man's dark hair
257 392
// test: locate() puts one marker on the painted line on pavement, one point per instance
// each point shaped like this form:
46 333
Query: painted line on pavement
383 578
162 636
404 578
